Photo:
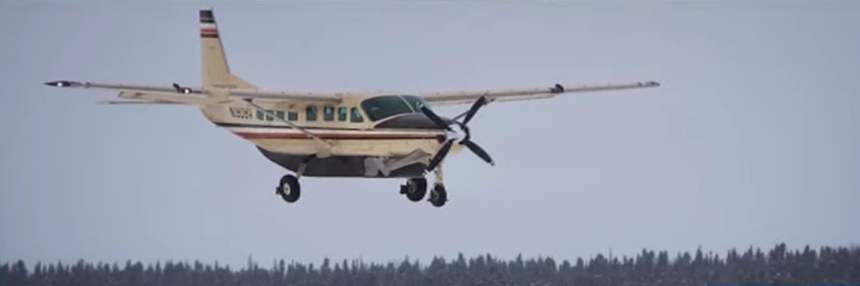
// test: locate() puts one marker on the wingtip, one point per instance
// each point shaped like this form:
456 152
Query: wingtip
67 83
58 83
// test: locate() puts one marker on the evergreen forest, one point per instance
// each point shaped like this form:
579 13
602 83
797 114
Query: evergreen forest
778 265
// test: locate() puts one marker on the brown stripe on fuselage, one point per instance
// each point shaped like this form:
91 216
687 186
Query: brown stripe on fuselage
215 35
256 135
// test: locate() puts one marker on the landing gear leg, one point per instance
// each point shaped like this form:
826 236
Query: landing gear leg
415 189
289 188
438 196
304 165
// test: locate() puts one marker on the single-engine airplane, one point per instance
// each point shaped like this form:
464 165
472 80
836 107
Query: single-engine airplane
347 134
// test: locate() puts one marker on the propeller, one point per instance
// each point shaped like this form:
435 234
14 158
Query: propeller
474 147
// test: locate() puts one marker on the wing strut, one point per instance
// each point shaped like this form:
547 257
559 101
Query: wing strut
328 146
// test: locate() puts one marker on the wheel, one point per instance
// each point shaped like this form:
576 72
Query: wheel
438 196
415 189
289 188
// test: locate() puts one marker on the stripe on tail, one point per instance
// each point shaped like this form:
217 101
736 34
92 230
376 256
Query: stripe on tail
208 28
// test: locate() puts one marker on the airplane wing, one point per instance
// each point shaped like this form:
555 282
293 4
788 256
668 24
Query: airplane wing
469 97
132 102
176 94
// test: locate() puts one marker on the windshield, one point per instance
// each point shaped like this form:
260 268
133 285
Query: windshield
381 107
415 102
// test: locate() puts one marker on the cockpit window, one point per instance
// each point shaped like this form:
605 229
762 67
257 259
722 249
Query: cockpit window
381 107
415 102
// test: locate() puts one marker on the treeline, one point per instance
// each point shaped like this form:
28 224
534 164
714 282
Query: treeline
828 265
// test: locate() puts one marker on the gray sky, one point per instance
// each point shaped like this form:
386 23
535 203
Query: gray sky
752 139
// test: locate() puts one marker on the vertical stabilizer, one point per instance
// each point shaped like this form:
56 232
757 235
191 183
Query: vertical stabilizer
215 71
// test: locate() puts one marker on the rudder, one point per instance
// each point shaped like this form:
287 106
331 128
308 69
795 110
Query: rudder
215 71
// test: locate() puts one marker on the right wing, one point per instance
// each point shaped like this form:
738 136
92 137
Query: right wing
439 98
116 102
177 94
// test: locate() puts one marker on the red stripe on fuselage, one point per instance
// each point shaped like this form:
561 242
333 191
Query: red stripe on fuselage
259 135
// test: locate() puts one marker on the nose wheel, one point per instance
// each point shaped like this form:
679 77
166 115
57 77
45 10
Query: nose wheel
438 196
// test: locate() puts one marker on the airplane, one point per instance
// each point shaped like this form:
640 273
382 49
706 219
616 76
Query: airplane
351 134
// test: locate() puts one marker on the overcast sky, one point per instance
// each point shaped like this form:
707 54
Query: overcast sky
752 140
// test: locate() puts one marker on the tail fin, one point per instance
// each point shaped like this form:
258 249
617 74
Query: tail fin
216 72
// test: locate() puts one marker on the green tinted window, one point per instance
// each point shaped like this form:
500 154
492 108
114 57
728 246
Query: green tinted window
385 106
415 102
292 115
311 113
328 113
341 113
355 115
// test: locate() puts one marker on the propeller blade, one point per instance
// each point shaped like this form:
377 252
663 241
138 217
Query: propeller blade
430 114
475 106
443 151
479 151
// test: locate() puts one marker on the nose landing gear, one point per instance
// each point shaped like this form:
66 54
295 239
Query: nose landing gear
438 196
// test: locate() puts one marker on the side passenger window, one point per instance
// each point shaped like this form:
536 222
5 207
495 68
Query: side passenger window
341 113
354 115
292 115
311 113
328 113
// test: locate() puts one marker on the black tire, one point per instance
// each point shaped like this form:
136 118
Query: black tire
438 196
289 188
416 189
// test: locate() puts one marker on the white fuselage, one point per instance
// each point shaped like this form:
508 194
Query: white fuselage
345 126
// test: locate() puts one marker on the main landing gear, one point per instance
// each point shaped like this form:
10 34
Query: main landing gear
289 188
415 190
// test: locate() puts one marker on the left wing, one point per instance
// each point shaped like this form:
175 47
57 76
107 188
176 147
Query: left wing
468 97
177 94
